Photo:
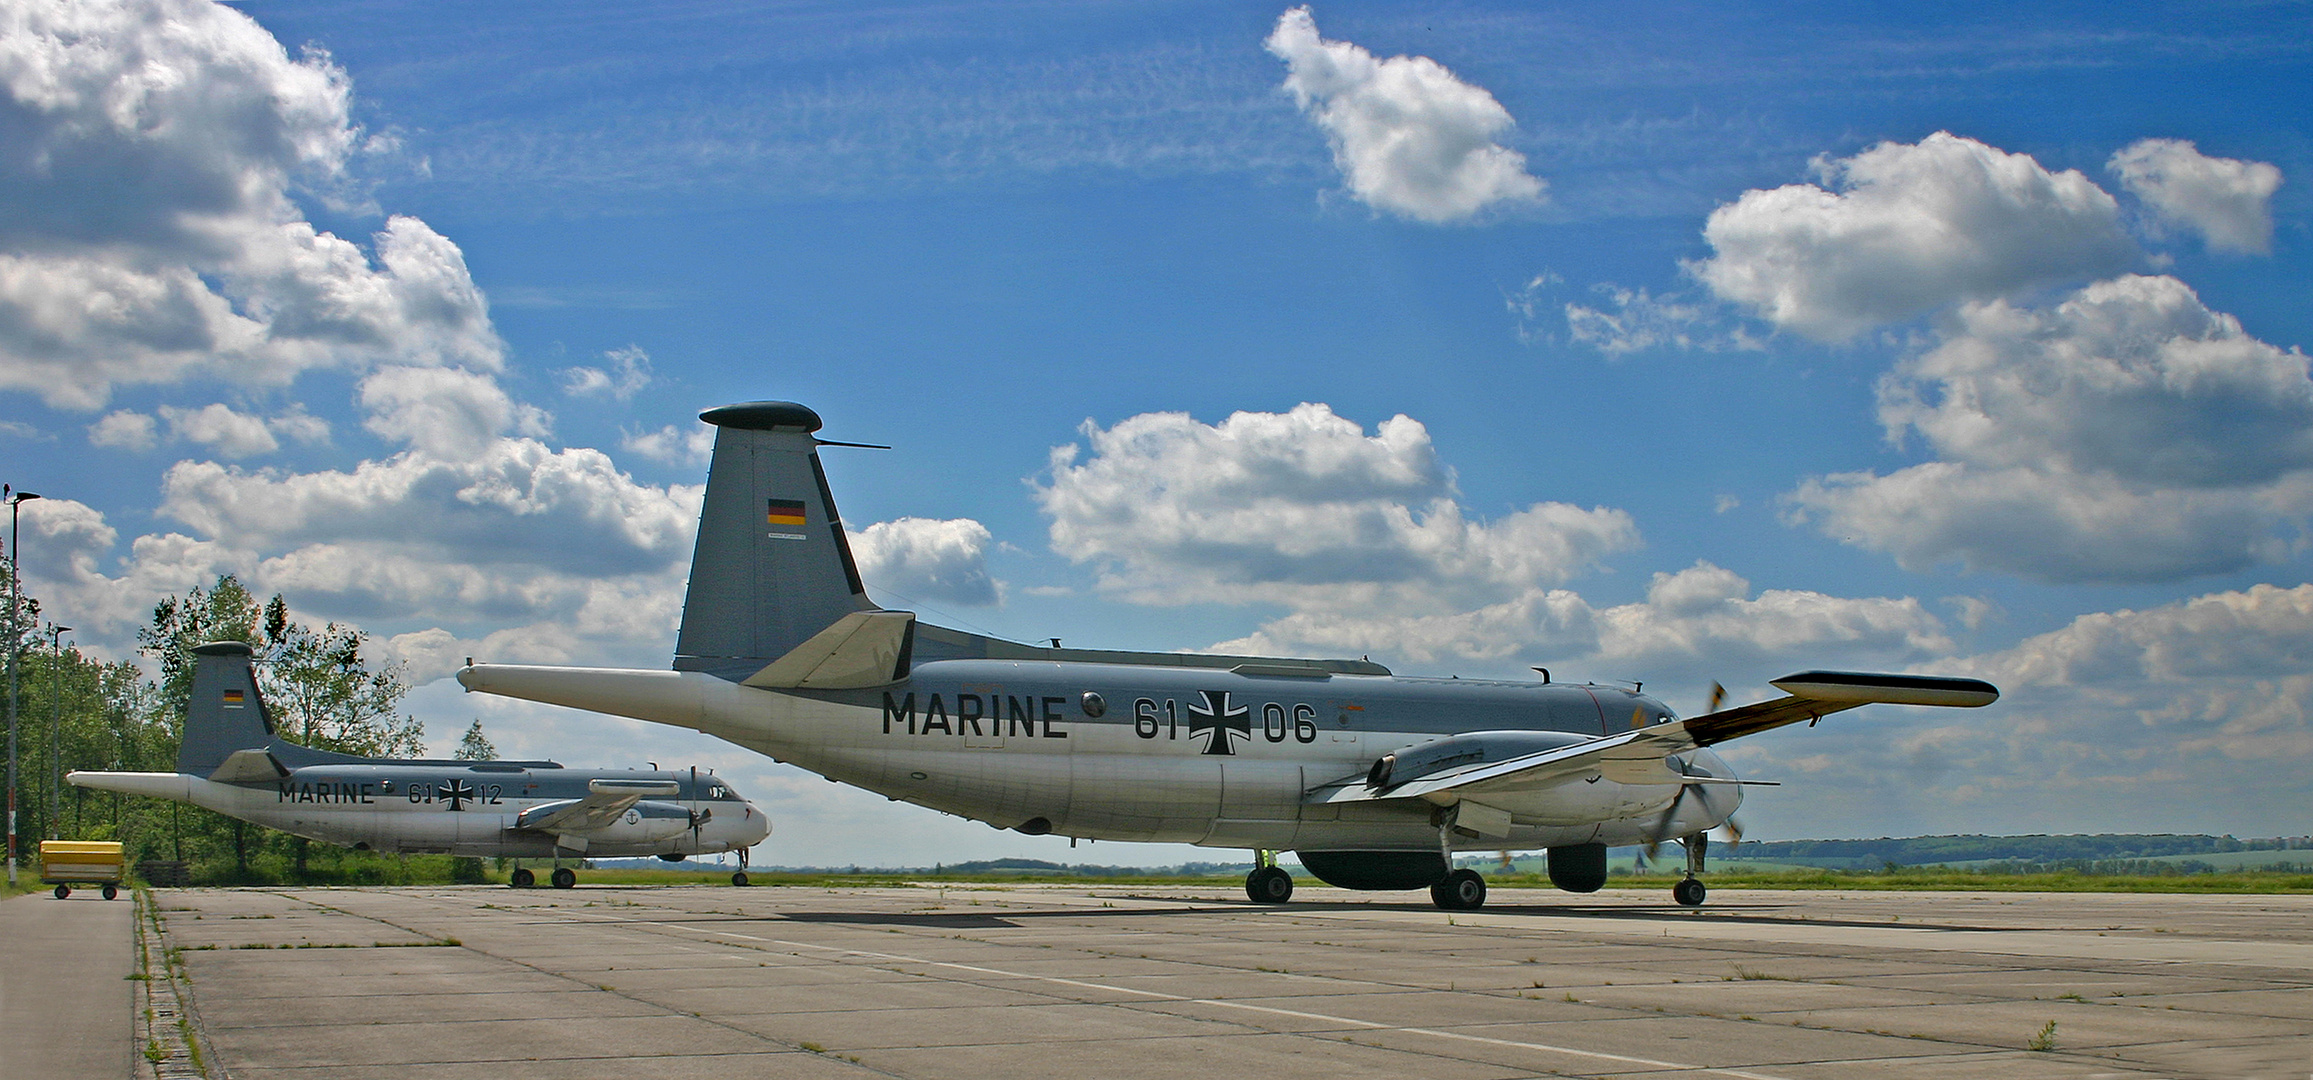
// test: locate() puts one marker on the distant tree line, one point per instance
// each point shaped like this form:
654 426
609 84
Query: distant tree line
2037 849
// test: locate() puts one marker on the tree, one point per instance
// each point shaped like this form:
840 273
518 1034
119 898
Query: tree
316 682
475 746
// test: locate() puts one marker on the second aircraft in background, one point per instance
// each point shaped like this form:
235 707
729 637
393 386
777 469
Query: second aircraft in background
231 761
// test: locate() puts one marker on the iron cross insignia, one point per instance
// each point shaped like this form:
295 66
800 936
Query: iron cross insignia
456 793
1218 722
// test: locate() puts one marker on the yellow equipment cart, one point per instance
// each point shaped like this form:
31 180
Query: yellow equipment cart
66 863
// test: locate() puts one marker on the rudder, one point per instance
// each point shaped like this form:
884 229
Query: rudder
772 566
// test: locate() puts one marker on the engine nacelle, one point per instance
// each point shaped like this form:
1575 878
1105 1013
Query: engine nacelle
646 822
1455 751
1578 867
1375 869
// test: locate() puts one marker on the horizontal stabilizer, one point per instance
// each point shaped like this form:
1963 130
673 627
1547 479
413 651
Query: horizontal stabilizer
249 767
862 649
176 787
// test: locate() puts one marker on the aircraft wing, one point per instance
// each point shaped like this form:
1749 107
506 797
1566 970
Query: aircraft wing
605 800
1637 756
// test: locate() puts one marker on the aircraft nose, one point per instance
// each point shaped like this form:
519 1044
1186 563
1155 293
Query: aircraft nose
756 827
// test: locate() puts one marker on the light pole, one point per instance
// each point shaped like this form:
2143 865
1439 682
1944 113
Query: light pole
15 645
55 723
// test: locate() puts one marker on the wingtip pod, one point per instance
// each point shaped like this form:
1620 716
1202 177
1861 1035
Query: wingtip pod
1864 688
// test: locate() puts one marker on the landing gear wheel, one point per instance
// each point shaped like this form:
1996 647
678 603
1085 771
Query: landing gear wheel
522 879
1269 885
63 891
564 877
1462 890
739 878
1688 892
112 892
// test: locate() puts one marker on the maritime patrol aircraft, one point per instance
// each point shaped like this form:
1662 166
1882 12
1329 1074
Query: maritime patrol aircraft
233 762
1373 779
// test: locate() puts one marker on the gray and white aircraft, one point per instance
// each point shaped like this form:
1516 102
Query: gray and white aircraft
233 762
1373 779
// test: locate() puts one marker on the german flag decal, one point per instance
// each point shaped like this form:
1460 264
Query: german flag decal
787 512
233 697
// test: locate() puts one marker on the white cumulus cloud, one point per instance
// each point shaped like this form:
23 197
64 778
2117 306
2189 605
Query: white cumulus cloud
147 228
2127 433
1695 625
237 434
2228 202
921 560
125 429
672 445
1904 229
2119 721
1302 508
1408 136
445 413
625 372
519 502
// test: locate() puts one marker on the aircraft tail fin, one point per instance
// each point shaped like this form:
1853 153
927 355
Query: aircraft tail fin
226 713
772 567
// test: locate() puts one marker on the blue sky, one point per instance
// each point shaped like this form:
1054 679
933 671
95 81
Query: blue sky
1727 343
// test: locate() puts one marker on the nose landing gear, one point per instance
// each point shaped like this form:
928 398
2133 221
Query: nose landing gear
1690 892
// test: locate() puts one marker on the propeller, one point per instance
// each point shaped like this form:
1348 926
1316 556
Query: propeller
697 818
1671 812
1734 828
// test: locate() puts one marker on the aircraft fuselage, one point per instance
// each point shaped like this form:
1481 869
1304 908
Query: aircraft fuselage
458 808
1131 752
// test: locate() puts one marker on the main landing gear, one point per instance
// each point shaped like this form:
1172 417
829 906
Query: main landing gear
1268 883
1689 892
563 877
1460 890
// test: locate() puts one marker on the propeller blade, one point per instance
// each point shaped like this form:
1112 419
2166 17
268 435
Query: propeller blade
1734 832
1669 813
1718 697
1637 718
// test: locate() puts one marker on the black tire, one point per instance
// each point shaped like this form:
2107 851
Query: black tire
522 879
112 892
1462 890
63 891
1269 885
1689 892
739 878
564 877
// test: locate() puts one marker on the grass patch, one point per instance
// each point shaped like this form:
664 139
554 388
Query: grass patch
1939 878
1745 974
2045 1041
